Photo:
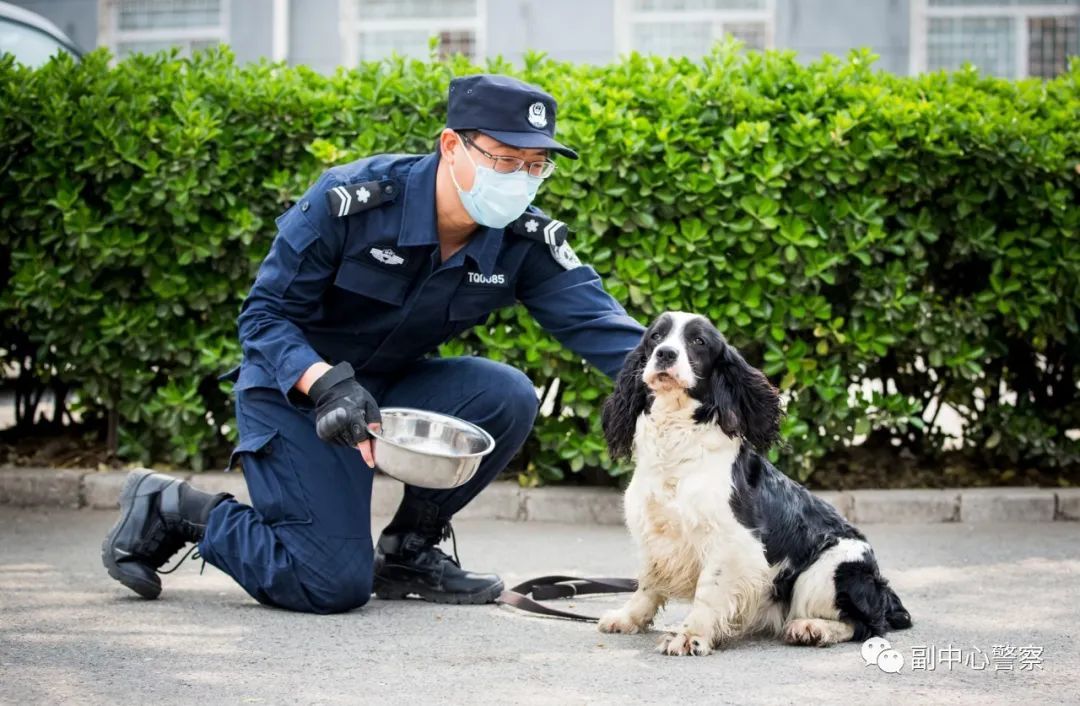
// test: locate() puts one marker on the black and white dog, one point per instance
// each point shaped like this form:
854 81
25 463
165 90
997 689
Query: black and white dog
714 521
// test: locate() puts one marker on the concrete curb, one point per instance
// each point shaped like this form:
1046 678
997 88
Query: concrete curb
908 506
40 487
29 487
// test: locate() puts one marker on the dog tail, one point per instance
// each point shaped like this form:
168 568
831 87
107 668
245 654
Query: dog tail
896 614
865 599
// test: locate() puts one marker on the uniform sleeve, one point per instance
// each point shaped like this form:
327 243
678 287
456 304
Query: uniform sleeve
302 261
569 301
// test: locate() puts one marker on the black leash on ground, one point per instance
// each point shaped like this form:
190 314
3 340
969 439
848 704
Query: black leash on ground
525 595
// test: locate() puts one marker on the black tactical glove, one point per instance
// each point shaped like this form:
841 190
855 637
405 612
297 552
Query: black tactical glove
343 408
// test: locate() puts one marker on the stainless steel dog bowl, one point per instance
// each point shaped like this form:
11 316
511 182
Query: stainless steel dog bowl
428 449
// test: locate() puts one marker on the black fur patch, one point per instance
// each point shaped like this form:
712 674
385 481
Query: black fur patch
740 399
864 598
631 395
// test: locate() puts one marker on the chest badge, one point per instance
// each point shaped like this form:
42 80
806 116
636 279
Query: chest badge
387 256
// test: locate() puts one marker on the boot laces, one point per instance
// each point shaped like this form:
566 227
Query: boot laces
439 532
192 552
428 545
170 537
448 531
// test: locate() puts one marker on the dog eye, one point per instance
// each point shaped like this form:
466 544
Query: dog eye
699 341
656 336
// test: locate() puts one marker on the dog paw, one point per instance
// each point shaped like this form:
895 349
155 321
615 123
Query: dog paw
681 644
805 632
618 621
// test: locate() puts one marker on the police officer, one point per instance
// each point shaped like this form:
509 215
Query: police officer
380 262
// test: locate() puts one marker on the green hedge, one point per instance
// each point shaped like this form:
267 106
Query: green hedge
838 223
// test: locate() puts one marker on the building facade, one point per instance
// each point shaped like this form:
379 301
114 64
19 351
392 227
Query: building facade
1010 38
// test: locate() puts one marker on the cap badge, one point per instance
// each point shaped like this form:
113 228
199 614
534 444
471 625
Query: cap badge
538 115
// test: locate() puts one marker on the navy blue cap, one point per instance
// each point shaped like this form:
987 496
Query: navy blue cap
511 111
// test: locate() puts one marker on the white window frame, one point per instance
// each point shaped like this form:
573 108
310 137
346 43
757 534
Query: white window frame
352 25
110 35
922 12
626 17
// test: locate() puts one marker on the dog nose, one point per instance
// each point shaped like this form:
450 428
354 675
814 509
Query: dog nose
666 356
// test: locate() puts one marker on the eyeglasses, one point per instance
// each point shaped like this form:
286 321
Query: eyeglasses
508 165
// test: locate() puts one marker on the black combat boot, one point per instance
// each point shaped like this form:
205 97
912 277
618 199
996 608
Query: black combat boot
408 561
158 516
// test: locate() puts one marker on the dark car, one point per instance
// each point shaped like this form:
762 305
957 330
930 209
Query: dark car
30 37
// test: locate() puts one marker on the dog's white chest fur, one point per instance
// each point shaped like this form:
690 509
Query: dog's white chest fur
677 504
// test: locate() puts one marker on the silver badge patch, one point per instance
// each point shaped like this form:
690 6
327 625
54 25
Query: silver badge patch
386 256
538 115
565 256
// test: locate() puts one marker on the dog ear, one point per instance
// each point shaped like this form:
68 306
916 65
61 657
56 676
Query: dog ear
718 404
743 401
623 406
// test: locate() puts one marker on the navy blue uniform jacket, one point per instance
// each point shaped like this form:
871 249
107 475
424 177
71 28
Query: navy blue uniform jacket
370 288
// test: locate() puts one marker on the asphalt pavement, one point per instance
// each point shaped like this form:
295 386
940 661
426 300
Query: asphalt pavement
996 607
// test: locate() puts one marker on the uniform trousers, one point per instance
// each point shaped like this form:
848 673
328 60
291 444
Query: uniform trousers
305 542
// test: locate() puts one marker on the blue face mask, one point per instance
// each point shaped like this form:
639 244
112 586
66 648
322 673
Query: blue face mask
496 199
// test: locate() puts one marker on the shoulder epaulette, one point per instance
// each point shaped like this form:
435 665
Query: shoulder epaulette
541 228
362 196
